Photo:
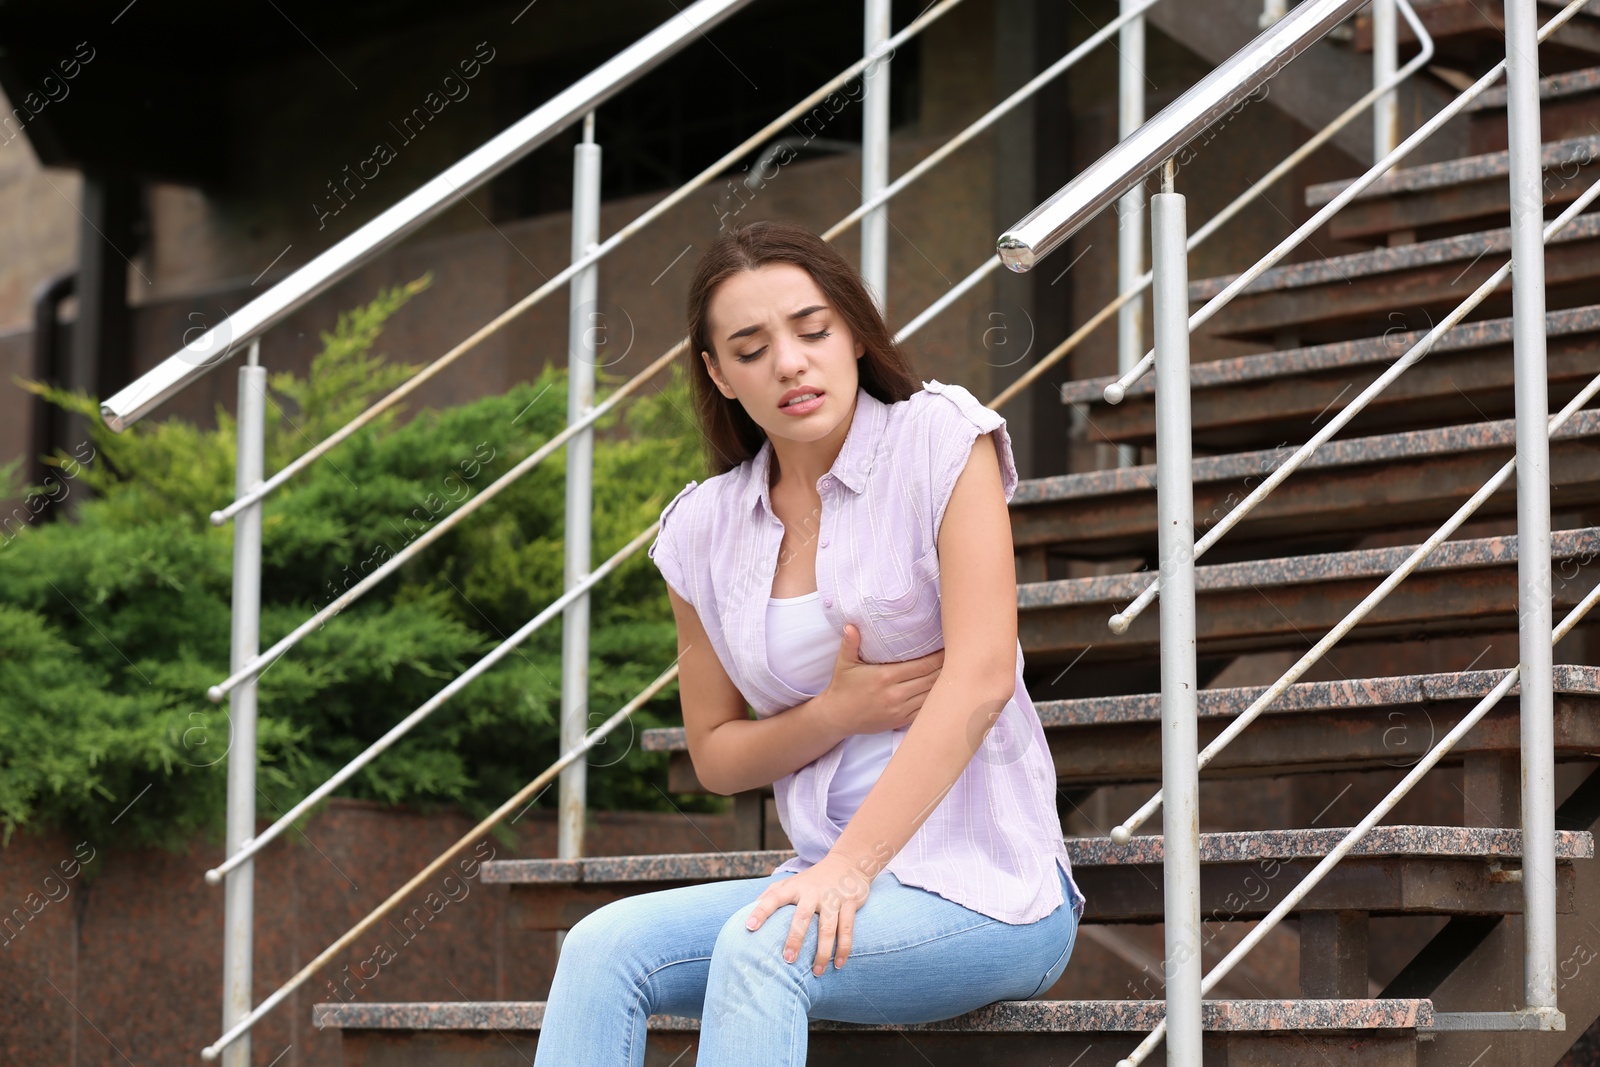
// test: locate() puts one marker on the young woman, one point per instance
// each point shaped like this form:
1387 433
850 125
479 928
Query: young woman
848 573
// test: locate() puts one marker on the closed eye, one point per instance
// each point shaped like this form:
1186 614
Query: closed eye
818 336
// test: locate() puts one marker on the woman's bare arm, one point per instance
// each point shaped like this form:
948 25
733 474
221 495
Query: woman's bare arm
731 751
978 590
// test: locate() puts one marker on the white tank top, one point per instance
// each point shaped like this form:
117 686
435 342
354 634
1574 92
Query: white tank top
801 649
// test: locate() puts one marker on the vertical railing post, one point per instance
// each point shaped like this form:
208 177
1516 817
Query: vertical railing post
1130 209
1385 61
585 329
1533 508
1180 774
875 154
238 935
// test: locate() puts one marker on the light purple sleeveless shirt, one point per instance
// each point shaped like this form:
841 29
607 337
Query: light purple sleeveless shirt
994 841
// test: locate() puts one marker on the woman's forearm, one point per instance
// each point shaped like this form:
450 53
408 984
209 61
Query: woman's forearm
956 716
750 753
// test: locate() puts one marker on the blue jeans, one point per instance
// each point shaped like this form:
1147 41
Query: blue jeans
916 957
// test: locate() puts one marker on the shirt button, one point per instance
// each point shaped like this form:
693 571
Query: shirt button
823 543
827 602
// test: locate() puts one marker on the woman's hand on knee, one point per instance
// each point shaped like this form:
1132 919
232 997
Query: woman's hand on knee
832 890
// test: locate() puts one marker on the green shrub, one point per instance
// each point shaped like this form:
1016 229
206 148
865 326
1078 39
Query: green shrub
114 618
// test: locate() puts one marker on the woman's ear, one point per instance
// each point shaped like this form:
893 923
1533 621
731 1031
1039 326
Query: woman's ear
716 377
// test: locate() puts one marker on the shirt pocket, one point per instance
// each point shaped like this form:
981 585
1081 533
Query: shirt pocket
904 623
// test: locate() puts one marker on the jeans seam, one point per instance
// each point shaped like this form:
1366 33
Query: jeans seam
1040 987
926 941
673 963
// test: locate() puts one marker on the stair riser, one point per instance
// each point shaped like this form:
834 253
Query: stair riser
1310 504
1381 886
1362 306
1304 744
1388 736
1486 202
1559 119
1130 893
1448 387
1430 603
911 1049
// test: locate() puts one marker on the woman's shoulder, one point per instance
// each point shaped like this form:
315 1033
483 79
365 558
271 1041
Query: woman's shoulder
939 405
699 499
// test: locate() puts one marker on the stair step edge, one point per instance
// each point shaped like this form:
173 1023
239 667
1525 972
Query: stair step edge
1017 1016
1459 171
1339 355
1356 694
1381 842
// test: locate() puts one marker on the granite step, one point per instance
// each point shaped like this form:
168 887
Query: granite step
1356 724
1394 870
1411 286
1263 400
1347 487
1458 194
1566 109
1007 1033
1466 586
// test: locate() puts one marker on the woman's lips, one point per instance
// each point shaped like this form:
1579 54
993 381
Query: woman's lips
803 407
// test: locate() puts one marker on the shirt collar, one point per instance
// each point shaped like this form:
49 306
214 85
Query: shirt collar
852 464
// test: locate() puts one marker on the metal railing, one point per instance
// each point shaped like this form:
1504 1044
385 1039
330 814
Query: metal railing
1125 166
252 488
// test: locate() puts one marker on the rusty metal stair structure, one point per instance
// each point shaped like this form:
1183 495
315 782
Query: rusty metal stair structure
1292 569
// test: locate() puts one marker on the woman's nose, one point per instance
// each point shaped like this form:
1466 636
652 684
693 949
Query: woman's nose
790 358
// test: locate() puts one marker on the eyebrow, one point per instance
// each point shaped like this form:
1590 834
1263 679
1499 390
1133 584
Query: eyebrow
802 313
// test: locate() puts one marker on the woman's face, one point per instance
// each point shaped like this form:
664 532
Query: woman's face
776 337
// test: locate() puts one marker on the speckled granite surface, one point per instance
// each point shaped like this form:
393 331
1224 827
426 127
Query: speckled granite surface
698 866
1118 589
1466 248
1369 693
1223 372
1410 445
1571 83
1433 842
1372 693
1060 1016
1457 171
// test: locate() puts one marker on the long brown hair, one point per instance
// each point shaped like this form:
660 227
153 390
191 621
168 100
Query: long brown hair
730 435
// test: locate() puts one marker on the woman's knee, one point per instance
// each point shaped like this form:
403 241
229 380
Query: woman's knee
754 956
602 933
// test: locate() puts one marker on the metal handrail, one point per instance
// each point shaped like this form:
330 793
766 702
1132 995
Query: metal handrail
1217 221
583 262
209 350
1100 184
